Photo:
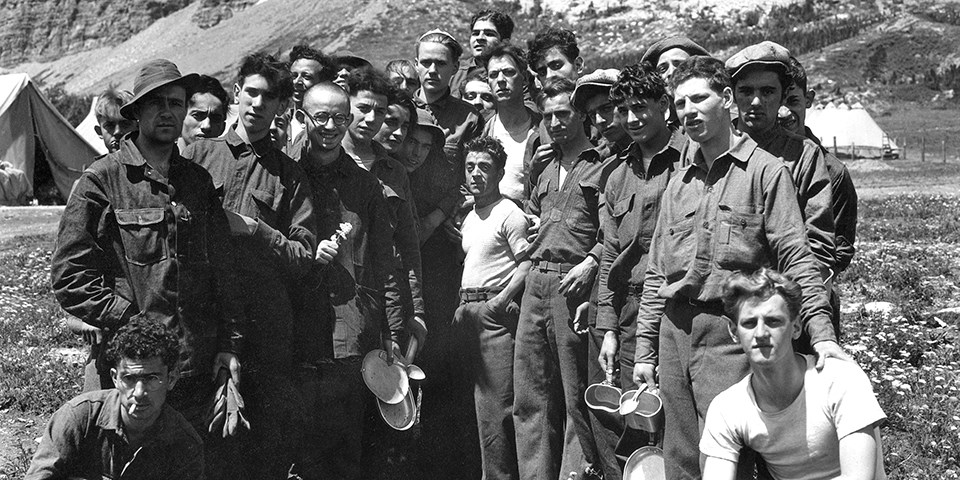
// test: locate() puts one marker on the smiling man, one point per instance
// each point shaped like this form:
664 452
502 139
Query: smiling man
592 99
733 208
487 27
269 206
128 431
308 67
805 423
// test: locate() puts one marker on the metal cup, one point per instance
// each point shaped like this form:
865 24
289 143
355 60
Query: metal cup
648 415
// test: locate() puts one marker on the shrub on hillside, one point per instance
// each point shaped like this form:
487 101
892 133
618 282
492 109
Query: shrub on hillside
73 107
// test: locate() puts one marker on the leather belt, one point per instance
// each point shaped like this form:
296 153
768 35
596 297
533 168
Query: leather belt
480 294
546 267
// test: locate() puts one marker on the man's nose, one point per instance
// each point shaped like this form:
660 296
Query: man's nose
755 100
632 117
206 124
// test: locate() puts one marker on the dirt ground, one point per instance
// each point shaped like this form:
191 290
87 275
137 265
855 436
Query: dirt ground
16 221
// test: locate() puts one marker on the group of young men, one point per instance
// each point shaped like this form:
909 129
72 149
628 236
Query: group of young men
549 229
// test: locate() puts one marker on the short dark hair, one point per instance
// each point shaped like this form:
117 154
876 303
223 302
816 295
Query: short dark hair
796 74
141 339
699 66
403 100
275 71
208 84
109 102
474 75
504 49
550 37
761 284
780 70
373 81
501 20
327 71
491 146
555 87
640 81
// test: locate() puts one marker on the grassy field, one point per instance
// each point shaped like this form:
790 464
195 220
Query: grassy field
908 255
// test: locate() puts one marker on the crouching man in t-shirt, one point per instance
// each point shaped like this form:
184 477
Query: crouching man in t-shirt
803 422
494 271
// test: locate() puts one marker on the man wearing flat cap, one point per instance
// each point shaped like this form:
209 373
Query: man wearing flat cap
665 55
760 81
143 234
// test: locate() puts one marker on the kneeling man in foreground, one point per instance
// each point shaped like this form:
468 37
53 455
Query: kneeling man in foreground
127 431
804 423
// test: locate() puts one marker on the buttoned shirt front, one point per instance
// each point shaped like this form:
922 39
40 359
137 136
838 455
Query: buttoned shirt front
132 240
741 213
569 213
85 439
632 205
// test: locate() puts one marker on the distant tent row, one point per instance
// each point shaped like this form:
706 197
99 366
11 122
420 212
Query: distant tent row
28 121
852 130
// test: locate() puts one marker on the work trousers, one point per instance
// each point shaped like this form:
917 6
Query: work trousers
698 360
490 339
334 402
550 372
608 427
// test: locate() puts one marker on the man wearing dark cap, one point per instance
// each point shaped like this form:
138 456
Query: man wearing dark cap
346 62
268 202
144 234
591 98
759 76
669 52
733 208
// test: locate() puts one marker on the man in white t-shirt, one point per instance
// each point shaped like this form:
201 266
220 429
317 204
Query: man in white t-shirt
804 423
515 125
494 271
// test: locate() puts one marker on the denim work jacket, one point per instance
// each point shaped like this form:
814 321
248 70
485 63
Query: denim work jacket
740 214
631 202
132 241
85 439
844 205
341 304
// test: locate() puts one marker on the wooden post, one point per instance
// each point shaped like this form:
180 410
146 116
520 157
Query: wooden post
923 148
853 150
903 149
836 151
943 149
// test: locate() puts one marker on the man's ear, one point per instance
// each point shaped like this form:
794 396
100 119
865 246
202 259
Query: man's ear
172 377
578 64
96 128
115 376
236 93
664 103
727 95
732 330
797 329
810 95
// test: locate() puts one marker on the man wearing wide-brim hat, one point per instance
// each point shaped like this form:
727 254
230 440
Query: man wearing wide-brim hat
143 234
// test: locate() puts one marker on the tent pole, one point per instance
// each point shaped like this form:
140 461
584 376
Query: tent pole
943 149
923 148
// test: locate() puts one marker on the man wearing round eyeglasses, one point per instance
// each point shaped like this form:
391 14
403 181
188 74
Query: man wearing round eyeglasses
128 431
337 322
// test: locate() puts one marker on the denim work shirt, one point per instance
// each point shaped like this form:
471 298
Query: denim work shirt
459 121
741 214
844 205
569 213
406 239
631 202
132 241
85 439
350 290
808 169
436 186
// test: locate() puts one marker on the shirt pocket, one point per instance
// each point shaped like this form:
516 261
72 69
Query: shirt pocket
143 234
581 208
679 237
626 222
266 205
741 242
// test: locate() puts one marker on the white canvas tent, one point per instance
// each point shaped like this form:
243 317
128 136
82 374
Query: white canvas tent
855 131
26 115
86 129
